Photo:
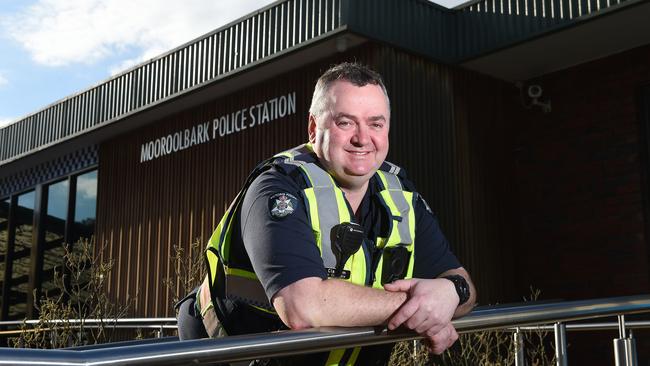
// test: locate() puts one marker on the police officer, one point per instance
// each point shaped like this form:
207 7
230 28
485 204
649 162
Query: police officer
330 234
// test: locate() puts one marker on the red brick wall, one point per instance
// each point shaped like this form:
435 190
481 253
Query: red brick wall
579 181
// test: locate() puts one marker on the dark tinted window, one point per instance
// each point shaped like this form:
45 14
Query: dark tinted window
85 205
23 236
54 232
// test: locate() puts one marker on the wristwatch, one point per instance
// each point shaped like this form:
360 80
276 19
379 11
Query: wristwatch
462 287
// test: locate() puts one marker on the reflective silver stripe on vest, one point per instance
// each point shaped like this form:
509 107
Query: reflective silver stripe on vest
395 190
317 176
328 217
328 211
324 190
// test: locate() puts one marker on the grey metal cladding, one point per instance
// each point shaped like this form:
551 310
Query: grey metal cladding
485 25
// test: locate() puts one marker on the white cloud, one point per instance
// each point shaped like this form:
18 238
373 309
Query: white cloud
4 121
63 32
145 55
87 186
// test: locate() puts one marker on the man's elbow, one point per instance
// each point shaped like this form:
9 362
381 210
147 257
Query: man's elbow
296 305
297 321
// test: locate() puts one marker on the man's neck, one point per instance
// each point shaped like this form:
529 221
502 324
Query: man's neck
354 195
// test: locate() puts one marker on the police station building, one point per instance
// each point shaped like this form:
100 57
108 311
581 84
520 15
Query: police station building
524 123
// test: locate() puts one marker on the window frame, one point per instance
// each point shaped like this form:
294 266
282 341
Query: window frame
41 191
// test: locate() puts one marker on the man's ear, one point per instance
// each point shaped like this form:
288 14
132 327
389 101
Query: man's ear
311 129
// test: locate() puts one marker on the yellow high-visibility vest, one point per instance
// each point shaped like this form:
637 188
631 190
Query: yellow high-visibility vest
326 207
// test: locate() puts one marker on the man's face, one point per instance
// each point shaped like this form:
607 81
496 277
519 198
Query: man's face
351 136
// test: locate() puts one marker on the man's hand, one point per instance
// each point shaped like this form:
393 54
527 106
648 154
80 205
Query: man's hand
442 340
428 311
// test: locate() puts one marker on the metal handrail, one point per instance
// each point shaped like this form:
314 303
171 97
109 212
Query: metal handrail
170 323
246 347
89 321
124 323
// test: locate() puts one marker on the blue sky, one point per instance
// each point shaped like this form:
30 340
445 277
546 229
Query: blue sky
50 49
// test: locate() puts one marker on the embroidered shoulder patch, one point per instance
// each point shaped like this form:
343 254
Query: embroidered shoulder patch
282 205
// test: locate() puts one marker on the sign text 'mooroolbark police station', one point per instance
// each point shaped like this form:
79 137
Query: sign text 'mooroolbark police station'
227 124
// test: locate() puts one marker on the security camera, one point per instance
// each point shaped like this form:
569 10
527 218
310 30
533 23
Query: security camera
534 91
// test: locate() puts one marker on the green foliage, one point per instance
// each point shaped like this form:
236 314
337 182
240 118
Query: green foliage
80 293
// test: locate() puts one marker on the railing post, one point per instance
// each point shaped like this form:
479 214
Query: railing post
415 349
631 351
520 360
560 344
624 346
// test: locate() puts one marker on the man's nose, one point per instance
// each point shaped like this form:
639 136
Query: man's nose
361 136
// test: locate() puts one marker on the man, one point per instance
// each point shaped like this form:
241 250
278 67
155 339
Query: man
318 230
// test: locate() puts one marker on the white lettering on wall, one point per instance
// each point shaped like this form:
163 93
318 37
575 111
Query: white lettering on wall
233 122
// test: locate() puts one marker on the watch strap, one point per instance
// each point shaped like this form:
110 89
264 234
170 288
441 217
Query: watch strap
462 287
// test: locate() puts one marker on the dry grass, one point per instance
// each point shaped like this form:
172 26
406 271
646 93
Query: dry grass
82 294
485 348
189 270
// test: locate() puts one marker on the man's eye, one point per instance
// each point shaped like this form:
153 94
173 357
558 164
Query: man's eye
343 123
377 125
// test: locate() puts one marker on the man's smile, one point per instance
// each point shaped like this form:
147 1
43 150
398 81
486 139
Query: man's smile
358 153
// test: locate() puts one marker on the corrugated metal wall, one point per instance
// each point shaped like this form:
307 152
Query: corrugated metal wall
144 209
450 135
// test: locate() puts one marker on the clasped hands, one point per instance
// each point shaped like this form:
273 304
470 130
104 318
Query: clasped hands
428 310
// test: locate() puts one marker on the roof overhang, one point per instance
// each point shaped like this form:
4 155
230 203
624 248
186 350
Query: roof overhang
595 37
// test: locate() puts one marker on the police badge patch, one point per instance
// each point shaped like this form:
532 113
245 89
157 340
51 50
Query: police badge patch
282 205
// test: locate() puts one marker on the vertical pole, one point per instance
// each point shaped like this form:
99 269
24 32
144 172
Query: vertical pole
621 326
620 358
560 344
415 350
160 331
623 347
631 351
520 360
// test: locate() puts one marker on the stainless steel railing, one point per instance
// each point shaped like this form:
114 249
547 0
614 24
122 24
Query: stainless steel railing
284 343
12 327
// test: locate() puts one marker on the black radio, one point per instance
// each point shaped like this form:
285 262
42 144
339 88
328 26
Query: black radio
346 239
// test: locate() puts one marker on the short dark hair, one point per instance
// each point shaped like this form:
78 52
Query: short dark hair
352 72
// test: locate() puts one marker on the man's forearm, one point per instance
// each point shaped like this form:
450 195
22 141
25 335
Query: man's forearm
313 302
